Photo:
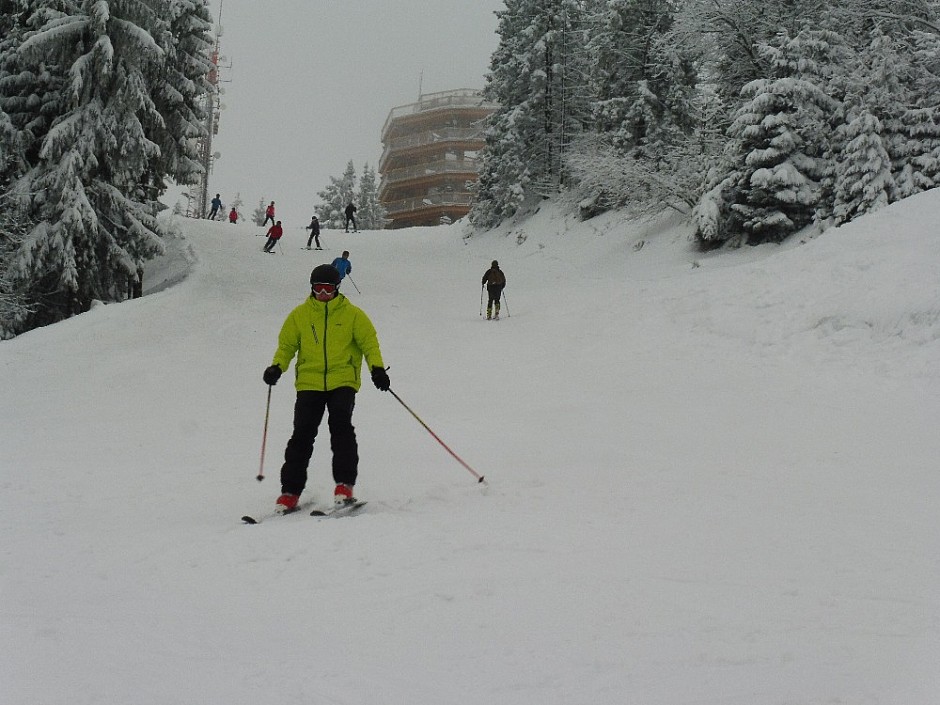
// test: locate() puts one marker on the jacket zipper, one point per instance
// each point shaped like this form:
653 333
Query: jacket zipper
326 317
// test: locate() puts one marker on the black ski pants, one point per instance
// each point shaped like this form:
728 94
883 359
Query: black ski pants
308 413
494 292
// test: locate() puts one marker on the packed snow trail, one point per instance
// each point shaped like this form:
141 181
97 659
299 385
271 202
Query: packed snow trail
712 478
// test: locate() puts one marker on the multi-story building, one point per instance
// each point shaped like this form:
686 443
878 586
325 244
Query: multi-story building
431 156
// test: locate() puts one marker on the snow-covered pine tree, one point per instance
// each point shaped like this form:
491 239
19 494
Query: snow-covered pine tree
336 196
178 93
915 148
90 187
641 85
730 32
12 302
530 78
859 20
780 142
371 214
777 189
14 306
330 209
643 109
921 169
31 96
864 182
258 214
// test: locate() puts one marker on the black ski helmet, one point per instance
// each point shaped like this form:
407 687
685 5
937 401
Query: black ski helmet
325 274
495 264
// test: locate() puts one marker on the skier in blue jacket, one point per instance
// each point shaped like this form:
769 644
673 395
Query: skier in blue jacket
216 204
343 265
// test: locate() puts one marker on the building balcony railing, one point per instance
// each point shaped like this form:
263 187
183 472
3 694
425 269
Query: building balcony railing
428 137
460 98
440 167
408 205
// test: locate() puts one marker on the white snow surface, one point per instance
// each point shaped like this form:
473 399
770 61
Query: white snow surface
711 478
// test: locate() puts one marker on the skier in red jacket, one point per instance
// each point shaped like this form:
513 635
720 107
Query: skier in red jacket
274 234
268 214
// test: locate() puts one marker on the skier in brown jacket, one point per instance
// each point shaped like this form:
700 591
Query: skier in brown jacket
494 280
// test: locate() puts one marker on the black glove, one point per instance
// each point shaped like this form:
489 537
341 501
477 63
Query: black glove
380 379
272 374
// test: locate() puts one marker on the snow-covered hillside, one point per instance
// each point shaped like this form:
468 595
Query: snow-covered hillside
713 479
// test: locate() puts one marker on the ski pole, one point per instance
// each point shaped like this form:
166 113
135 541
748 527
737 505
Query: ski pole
481 300
264 436
353 283
506 302
427 428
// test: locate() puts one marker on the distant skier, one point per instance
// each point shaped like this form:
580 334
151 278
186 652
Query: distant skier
216 207
351 217
329 336
343 265
274 234
495 281
314 229
233 216
268 214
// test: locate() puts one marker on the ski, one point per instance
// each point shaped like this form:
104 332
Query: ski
344 510
248 519
340 511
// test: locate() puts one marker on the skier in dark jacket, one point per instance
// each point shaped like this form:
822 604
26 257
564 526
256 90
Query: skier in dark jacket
350 213
314 229
495 281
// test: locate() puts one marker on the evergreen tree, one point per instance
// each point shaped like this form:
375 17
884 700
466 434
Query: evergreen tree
530 79
864 180
329 211
915 147
14 305
92 156
178 93
731 33
259 214
336 196
371 214
780 144
643 107
31 95
641 83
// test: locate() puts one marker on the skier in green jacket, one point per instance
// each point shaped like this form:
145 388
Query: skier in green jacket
329 336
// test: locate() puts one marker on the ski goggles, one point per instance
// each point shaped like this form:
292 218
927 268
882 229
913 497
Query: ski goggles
323 288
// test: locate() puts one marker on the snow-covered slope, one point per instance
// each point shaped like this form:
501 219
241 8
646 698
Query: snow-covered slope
713 479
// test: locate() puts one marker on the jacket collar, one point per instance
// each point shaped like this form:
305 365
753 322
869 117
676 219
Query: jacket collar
332 303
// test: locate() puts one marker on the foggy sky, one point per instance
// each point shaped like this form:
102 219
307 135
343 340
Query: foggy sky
311 84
